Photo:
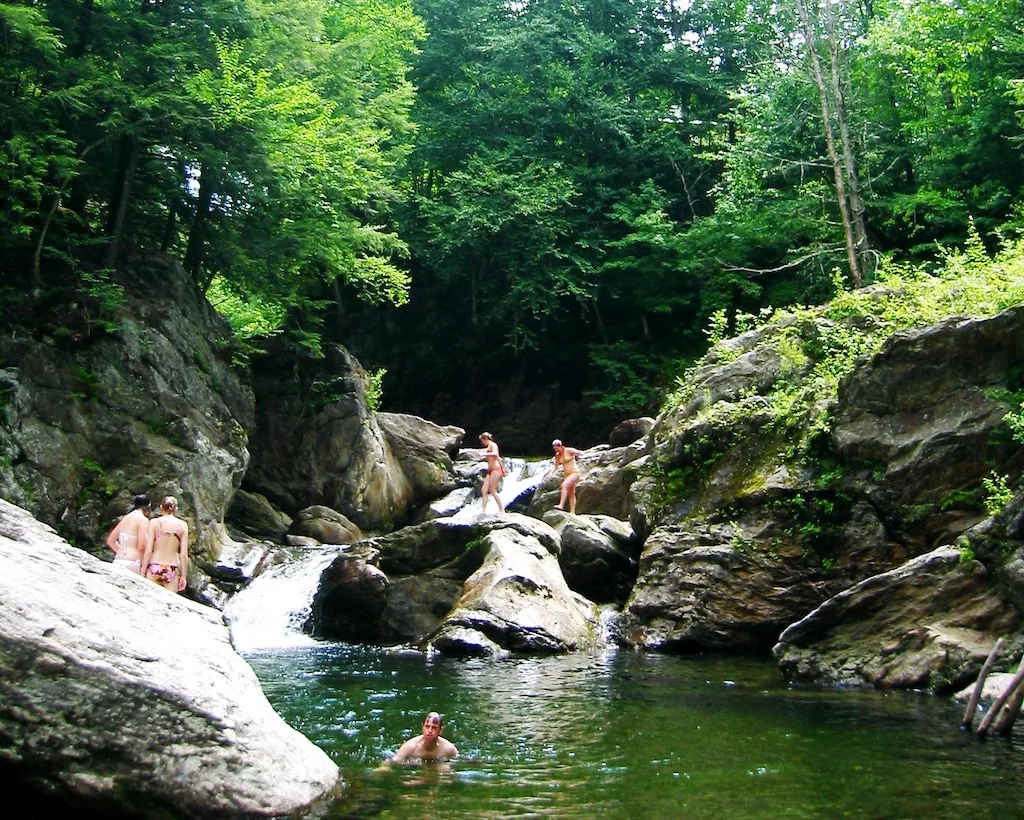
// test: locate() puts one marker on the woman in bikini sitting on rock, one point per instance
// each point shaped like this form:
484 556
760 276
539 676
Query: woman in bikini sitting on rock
166 557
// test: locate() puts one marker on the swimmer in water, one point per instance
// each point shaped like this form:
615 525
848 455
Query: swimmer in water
565 457
428 746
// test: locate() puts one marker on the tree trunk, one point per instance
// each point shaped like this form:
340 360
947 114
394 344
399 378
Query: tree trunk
194 252
860 233
127 160
599 319
37 254
830 142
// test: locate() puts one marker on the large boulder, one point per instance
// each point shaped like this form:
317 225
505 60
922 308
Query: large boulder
119 698
416 584
926 624
317 443
253 514
143 398
325 526
606 475
599 554
424 450
517 601
396 588
760 495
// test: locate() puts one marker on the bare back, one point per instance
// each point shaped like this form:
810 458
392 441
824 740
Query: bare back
128 538
168 533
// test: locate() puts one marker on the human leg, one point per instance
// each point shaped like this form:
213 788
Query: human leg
569 491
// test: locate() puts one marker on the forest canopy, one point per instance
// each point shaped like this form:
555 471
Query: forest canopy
567 190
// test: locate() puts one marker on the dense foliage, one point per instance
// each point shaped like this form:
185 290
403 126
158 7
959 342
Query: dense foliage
575 188
591 182
256 140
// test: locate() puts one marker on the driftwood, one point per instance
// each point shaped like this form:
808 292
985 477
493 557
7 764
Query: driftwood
1001 701
979 687
1004 723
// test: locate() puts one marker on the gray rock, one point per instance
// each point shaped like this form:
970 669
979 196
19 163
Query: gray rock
626 432
603 486
325 526
253 514
119 695
596 564
926 624
750 520
519 600
153 407
350 598
317 443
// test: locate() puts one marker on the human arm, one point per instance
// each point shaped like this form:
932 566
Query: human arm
115 534
147 552
183 557
406 750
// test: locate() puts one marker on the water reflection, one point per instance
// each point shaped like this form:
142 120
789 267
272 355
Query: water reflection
629 735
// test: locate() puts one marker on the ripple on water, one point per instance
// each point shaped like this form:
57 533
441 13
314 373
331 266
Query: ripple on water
633 736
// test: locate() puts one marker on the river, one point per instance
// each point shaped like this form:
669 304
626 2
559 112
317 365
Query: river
620 734
610 733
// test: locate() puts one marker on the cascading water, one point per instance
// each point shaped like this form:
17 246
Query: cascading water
270 611
522 479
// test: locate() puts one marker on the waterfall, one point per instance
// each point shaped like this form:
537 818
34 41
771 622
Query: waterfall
522 479
270 611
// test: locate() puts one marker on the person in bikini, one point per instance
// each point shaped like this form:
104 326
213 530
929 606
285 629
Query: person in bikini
495 471
565 457
128 538
165 559
429 745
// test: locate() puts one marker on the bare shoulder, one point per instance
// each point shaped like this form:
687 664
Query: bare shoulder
408 749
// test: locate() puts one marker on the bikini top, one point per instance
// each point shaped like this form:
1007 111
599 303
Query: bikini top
158 535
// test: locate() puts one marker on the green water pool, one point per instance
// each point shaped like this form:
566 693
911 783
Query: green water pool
618 734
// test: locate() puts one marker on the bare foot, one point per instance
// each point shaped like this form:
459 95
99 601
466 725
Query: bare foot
559 507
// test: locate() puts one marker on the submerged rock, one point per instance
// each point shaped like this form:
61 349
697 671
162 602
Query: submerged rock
119 698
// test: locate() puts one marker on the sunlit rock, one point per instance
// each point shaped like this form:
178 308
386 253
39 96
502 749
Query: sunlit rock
119 697
926 624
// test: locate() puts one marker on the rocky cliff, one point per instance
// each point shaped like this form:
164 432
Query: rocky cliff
128 390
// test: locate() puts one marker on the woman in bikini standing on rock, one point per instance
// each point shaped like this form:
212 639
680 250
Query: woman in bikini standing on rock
565 457
165 560
128 538
495 470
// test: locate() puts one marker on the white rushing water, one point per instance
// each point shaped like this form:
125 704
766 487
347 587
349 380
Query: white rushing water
270 611
522 479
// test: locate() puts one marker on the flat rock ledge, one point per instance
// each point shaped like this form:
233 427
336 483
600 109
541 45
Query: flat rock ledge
122 699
